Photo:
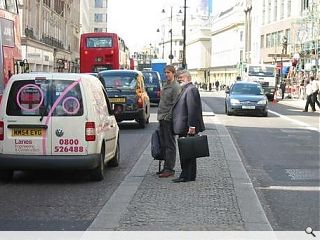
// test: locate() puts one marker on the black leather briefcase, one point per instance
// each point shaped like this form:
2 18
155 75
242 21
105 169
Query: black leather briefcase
193 147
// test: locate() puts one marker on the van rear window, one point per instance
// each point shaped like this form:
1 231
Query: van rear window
41 97
151 79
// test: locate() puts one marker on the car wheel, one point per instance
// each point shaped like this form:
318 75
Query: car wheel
225 108
6 175
114 162
97 174
265 114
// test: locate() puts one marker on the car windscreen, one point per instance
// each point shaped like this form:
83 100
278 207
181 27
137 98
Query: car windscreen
151 79
120 80
246 89
45 97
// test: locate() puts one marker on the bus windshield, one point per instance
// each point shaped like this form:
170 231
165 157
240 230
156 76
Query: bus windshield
99 42
261 71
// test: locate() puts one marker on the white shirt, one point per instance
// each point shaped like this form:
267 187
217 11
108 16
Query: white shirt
309 89
315 85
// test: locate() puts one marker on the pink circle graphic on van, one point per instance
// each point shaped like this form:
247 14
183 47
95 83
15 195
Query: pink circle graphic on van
31 96
71 105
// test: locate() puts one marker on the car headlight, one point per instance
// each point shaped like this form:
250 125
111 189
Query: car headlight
262 102
234 101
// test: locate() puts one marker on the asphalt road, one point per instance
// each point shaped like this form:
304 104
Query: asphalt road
55 201
281 156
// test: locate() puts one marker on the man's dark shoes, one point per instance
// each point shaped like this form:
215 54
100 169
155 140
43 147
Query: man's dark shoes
166 174
161 171
178 180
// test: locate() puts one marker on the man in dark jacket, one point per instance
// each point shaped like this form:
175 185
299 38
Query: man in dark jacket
187 120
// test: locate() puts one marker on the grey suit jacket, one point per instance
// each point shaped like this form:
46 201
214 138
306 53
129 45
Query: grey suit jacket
187 111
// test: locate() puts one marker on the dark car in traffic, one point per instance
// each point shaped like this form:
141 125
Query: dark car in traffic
153 85
246 98
127 94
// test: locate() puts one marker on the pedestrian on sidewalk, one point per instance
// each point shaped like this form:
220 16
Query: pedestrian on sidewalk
169 94
283 88
187 120
315 91
217 83
309 97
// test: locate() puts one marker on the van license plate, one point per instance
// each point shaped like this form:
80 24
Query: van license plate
31 132
117 100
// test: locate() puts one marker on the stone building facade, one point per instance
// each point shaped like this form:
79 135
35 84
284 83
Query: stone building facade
50 34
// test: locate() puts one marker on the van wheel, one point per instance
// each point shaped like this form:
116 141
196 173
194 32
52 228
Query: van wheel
97 174
114 162
6 175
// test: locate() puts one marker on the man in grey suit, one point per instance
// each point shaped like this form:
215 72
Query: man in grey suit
187 120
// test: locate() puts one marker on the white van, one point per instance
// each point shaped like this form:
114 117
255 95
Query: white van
57 121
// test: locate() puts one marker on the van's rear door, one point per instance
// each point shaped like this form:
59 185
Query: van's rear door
68 118
25 131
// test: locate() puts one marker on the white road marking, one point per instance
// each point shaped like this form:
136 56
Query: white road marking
302 124
292 188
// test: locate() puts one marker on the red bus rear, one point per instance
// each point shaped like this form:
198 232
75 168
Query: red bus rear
10 42
101 51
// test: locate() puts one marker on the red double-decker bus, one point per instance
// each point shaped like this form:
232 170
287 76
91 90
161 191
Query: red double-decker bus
10 41
101 51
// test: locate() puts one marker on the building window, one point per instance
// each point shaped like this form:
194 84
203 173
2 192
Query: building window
106 17
98 29
263 12
241 36
98 17
274 39
305 4
275 10
268 43
11 6
262 41
98 3
282 9
287 34
47 2
59 7
269 11
289 8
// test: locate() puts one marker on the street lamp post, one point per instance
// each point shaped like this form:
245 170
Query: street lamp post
162 42
170 31
184 61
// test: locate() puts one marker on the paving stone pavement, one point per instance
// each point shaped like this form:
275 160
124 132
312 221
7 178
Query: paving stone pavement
221 199
209 203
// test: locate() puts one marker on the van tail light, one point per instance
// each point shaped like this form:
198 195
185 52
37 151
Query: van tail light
90 131
140 102
1 130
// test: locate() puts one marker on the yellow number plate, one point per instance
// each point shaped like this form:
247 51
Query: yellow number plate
32 132
117 100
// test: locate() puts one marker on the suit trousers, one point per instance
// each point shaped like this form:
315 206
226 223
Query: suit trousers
168 144
188 167
309 102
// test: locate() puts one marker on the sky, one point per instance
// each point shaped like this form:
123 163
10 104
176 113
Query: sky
136 21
